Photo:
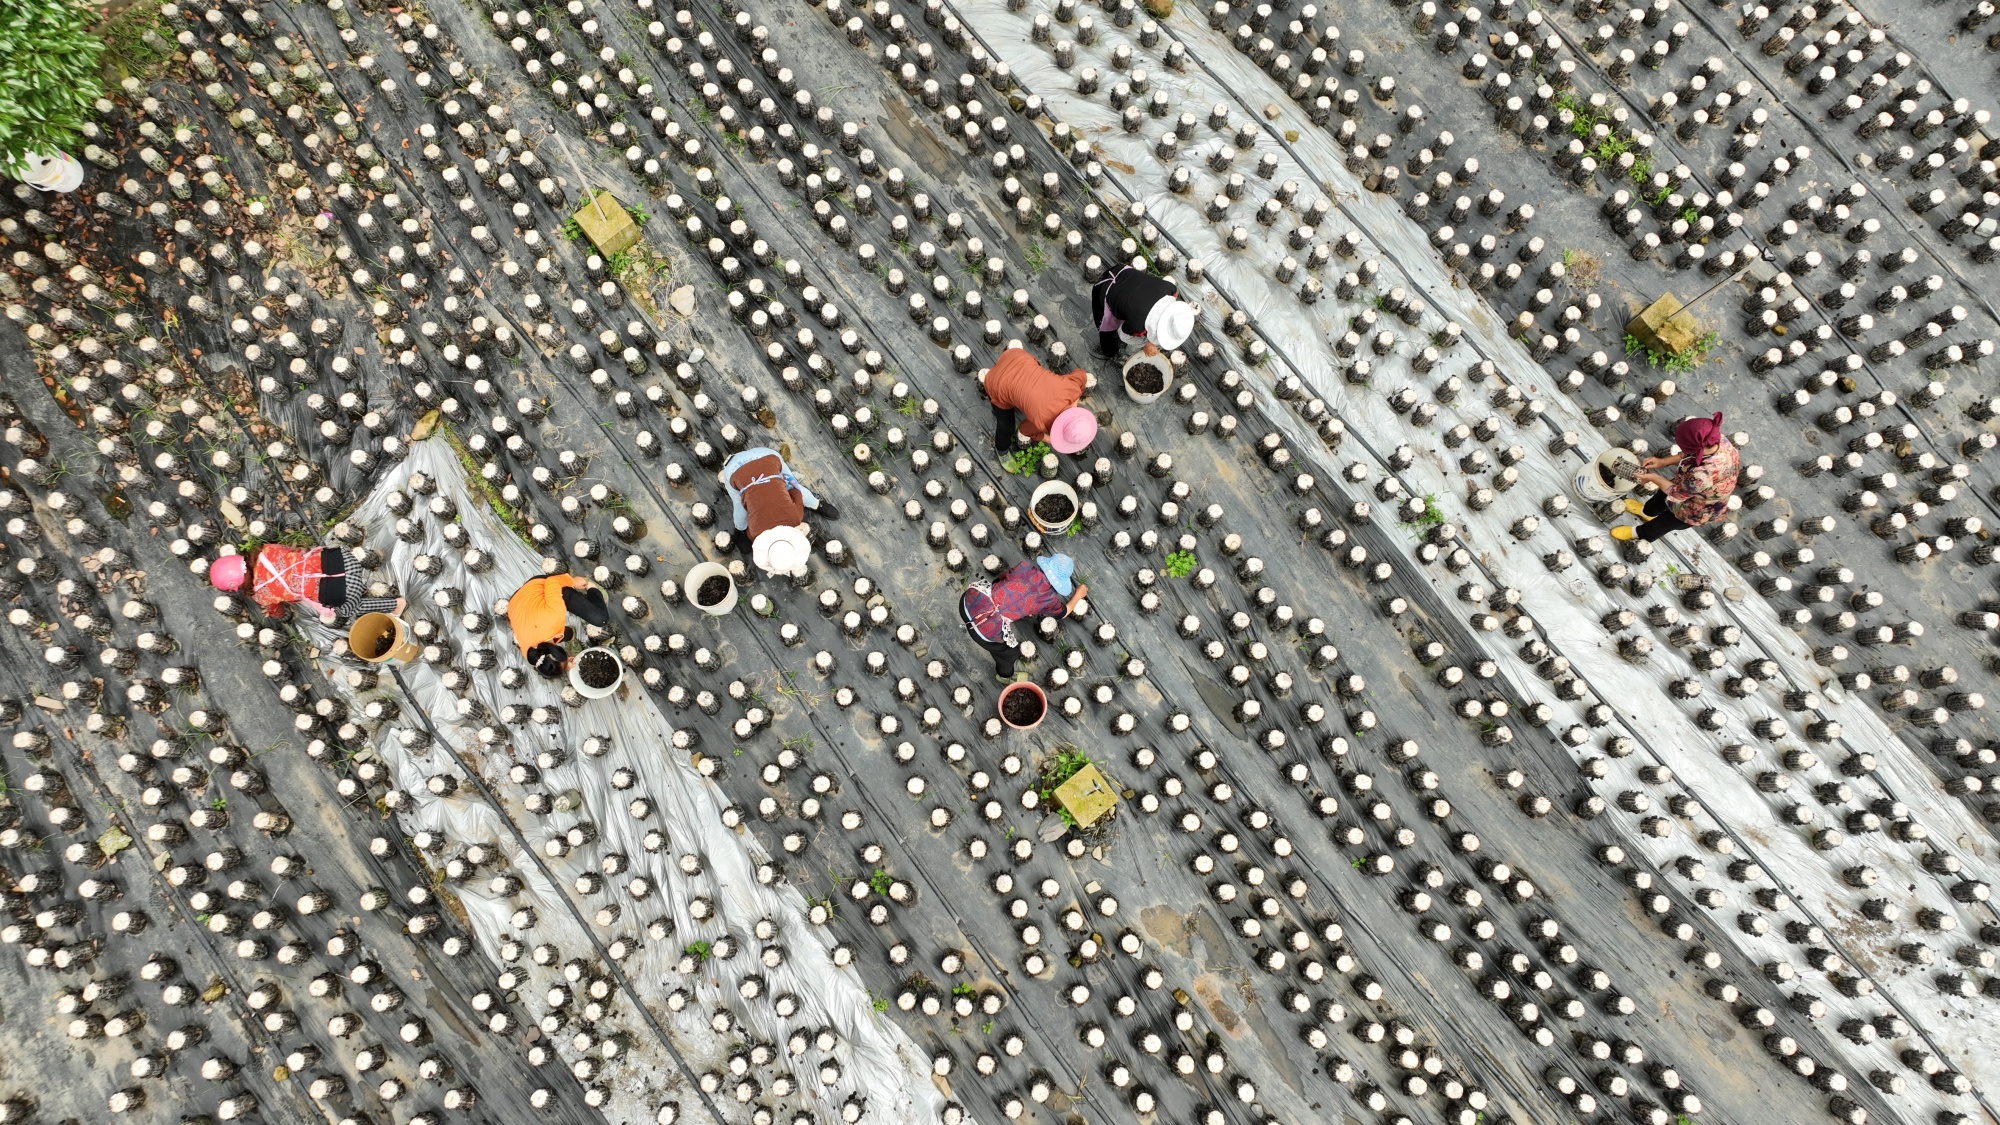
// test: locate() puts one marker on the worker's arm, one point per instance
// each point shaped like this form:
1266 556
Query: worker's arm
1069 607
1663 462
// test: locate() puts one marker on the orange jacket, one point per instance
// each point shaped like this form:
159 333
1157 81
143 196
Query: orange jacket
536 611
1017 381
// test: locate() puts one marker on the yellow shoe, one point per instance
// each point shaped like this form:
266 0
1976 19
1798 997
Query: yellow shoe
1635 507
1624 534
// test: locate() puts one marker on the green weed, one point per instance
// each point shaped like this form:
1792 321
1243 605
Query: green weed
1023 461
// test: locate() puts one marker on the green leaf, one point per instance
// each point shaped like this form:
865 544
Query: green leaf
48 76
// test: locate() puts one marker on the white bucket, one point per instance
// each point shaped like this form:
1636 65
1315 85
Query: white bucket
1054 488
1160 362
576 677
702 572
1589 483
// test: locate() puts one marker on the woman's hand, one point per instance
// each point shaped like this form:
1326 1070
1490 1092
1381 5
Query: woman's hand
401 604
1659 462
1151 348
1656 480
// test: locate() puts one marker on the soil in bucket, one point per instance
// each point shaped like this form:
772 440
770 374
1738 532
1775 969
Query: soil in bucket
381 643
1606 476
1021 708
1146 379
713 589
597 669
1054 508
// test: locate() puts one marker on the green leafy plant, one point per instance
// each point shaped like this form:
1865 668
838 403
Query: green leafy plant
1024 460
879 881
638 213
1038 259
1431 516
880 1004
1691 357
49 80
1179 564
909 406
986 1028
1065 763
964 989
697 950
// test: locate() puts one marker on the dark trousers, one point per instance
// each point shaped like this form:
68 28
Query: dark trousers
1108 344
589 605
1006 429
1001 652
1659 520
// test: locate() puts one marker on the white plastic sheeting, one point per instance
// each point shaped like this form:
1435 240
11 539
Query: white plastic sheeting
1566 606
878 1061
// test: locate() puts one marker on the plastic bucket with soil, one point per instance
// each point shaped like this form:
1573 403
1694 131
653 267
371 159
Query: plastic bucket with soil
1023 705
1147 377
711 588
381 637
596 672
1053 507
1600 482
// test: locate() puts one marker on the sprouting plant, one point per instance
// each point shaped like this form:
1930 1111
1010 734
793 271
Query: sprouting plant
986 1028
964 989
1689 215
219 804
909 406
1038 259
1355 863
879 881
697 950
1024 460
1179 564
1687 359
1431 516
638 213
880 1003
572 230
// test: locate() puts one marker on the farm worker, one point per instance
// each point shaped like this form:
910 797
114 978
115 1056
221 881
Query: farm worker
1704 475
1144 307
768 505
1038 402
326 580
539 612
992 607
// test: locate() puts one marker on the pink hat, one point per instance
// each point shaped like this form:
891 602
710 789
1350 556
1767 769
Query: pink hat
1073 429
226 573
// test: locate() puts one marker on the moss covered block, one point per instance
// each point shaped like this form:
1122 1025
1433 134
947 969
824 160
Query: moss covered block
1087 795
604 221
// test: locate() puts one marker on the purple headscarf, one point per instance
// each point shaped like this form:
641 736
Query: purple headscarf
1696 434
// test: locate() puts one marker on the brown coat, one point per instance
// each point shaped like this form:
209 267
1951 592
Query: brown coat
1016 381
767 503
